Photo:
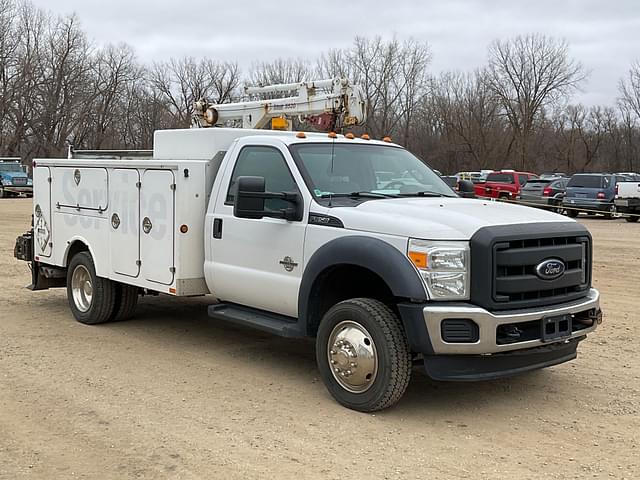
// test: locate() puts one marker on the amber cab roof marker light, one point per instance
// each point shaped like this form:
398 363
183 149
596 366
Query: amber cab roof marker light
300 135
332 135
350 136
365 136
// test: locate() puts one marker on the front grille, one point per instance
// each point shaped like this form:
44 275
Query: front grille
511 259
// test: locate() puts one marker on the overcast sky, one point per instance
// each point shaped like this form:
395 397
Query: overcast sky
603 35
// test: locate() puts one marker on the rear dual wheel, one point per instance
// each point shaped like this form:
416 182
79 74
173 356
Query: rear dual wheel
363 354
94 300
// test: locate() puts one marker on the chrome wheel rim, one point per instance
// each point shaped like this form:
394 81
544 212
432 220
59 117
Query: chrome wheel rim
82 288
352 356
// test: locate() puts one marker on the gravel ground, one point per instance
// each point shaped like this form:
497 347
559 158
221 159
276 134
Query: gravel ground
174 394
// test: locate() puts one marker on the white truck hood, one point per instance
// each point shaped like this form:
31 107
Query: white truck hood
436 218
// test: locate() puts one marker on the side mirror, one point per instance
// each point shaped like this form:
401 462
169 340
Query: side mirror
250 201
465 186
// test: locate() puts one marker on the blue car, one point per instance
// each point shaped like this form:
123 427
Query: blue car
13 179
592 193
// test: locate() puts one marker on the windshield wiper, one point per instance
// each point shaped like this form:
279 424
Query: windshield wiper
359 195
425 193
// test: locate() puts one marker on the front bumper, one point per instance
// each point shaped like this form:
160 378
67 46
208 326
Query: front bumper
488 323
27 189
471 368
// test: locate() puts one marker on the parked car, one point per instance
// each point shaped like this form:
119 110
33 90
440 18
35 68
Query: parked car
504 185
552 175
455 185
13 179
475 177
544 192
592 193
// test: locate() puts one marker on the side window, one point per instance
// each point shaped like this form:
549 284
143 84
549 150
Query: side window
522 179
265 162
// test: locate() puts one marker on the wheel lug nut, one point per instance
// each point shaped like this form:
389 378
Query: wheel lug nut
333 362
332 352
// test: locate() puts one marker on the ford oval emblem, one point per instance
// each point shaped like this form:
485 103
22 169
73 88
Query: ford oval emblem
550 269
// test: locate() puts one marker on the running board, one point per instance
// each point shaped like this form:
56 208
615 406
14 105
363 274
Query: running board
258 319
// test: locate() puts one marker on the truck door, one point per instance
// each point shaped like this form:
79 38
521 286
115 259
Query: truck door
258 262
125 221
157 205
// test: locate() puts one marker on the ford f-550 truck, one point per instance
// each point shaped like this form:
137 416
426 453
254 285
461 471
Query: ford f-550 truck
354 242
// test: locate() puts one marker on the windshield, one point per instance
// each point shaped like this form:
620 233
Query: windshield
344 169
10 167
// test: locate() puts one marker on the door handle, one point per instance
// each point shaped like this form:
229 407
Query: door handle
217 228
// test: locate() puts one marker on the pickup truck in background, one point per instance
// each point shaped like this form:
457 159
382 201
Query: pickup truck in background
503 185
14 180
627 200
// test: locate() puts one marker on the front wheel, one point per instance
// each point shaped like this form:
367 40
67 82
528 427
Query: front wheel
363 354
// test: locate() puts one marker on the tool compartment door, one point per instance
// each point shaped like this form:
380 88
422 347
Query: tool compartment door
42 225
157 213
124 200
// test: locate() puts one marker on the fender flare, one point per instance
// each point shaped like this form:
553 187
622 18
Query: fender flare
381 258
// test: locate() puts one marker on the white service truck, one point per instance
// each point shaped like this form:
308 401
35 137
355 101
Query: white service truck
354 242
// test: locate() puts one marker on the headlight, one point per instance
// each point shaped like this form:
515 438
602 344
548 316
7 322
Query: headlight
444 267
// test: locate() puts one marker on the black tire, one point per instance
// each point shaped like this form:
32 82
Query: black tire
572 213
126 300
390 342
101 305
611 213
633 219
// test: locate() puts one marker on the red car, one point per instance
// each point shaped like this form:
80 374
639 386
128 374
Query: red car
505 184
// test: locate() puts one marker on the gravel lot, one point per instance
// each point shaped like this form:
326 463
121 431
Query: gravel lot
174 394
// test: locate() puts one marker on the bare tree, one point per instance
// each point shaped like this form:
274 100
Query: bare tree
527 74
281 70
630 89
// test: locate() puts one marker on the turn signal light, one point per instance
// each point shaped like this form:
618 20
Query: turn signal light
419 259
600 196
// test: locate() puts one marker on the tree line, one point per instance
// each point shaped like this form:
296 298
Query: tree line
57 89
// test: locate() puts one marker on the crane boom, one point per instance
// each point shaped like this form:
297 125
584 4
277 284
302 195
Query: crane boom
321 103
